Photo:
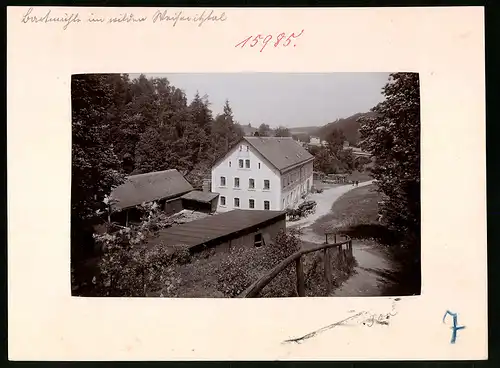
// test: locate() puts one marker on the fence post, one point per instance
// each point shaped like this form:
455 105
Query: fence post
328 270
299 270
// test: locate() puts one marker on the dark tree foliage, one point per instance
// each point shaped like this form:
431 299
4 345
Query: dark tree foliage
95 167
333 158
264 130
393 138
282 131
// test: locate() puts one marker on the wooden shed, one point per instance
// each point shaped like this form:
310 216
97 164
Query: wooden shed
200 201
164 187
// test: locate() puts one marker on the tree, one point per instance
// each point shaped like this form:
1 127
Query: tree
151 153
282 131
95 167
336 140
393 138
200 112
225 131
264 130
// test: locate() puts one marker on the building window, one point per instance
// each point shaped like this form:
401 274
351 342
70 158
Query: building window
222 181
236 202
241 148
229 163
251 203
266 205
222 201
236 182
241 163
259 165
266 184
247 164
251 183
247 148
258 240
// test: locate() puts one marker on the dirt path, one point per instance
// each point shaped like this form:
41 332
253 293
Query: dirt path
373 274
324 203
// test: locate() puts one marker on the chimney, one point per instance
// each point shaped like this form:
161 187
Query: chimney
206 185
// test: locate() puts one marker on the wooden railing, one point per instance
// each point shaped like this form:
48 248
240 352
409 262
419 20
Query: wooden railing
253 290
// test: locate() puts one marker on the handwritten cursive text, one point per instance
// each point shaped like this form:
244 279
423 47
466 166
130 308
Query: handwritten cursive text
159 16
165 16
66 19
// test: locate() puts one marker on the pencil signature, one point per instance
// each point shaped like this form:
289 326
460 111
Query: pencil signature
369 320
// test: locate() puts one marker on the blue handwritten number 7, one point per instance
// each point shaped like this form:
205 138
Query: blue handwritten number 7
455 328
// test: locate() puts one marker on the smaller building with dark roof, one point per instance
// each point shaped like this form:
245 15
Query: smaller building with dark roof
163 187
202 201
224 231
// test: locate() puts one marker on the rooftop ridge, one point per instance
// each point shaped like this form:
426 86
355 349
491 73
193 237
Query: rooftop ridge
152 173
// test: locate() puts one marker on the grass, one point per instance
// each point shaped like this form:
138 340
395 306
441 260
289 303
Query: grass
356 214
358 206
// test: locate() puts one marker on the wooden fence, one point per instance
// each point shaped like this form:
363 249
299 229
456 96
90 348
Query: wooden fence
253 290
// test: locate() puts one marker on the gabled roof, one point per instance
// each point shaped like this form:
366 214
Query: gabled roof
148 187
281 152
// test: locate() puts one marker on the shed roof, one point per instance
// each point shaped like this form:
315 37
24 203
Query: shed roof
212 228
200 196
281 152
148 187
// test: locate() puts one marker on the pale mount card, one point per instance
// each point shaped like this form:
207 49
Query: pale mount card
178 225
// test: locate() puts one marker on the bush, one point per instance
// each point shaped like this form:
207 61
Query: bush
233 273
243 266
127 271
128 267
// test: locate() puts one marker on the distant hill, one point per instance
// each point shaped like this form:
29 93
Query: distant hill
310 130
349 126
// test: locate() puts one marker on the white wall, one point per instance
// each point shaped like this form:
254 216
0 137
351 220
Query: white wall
295 183
259 195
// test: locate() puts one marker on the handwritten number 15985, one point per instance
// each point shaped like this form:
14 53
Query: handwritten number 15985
253 41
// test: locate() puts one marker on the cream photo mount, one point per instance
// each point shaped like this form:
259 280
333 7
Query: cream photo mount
444 45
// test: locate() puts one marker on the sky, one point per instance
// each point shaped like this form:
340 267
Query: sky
288 99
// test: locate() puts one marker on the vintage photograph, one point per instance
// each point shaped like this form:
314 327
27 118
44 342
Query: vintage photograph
245 185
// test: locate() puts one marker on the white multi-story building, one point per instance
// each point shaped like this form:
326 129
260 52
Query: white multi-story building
262 173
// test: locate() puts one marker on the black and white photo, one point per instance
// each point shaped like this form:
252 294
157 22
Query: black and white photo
244 185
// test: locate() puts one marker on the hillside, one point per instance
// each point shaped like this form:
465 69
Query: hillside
310 130
349 125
